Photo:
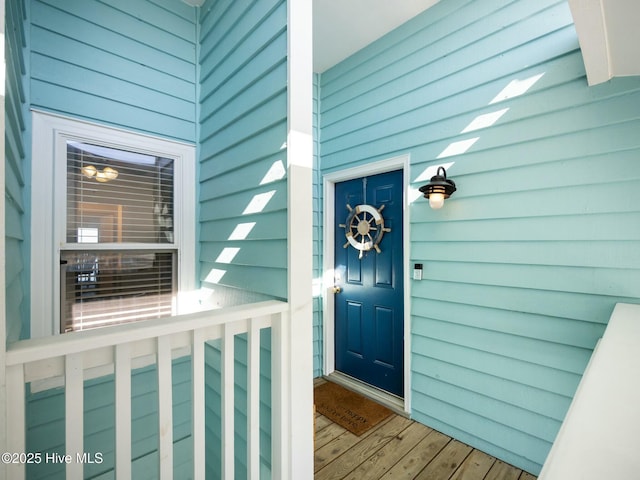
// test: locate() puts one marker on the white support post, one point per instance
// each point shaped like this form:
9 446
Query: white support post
198 413
297 338
280 399
123 410
165 408
74 414
16 441
5 432
228 399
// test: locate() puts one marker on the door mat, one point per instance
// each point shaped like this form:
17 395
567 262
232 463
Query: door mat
348 409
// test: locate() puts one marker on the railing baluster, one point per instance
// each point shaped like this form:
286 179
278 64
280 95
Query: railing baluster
165 408
198 406
16 438
280 397
123 410
253 401
74 414
228 396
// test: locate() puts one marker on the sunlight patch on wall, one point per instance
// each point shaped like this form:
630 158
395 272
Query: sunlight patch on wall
515 88
317 287
242 231
215 275
275 173
413 194
484 121
227 255
458 148
328 280
259 202
431 170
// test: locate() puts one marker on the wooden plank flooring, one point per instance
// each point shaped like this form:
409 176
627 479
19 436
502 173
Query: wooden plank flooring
400 449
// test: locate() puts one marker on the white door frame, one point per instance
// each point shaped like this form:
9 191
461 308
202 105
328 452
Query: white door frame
330 180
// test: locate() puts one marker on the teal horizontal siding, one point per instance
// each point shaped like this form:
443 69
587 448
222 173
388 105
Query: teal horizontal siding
523 265
317 234
268 227
233 205
243 133
16 170
129 64
263 253
263 146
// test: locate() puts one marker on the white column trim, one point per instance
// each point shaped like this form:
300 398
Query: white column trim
3 315
298 359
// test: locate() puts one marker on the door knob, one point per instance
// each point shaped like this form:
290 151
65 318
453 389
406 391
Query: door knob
336 289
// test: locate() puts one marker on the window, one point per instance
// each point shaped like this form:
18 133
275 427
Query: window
121 225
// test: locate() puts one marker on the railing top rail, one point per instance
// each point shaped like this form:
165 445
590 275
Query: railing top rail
35 349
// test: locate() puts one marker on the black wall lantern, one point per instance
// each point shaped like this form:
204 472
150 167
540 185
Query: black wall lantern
438 189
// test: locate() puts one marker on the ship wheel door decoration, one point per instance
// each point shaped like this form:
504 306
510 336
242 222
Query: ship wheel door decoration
364 228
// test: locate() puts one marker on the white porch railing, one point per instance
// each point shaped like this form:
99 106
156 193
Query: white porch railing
74 356
598 438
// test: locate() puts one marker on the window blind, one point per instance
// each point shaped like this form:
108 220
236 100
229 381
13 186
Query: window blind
124 197
101 288
116 198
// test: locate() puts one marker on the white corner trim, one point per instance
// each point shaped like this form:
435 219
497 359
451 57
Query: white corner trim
328 256
293 432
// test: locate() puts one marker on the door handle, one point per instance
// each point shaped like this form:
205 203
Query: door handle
336 289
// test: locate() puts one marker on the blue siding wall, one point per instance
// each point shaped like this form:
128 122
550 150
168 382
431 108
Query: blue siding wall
317 236
525 262
17 147
243 132
129 64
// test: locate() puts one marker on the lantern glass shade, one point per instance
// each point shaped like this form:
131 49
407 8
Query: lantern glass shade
436 200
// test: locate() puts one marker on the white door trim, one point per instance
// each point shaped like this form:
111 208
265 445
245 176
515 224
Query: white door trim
329 180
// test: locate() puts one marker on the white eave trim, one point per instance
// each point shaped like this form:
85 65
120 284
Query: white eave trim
588 17
608 37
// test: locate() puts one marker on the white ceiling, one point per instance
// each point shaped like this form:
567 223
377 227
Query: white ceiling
342 27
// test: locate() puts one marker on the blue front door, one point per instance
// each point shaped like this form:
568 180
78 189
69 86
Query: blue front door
369 313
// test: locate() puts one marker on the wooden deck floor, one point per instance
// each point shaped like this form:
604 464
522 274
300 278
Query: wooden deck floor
399 448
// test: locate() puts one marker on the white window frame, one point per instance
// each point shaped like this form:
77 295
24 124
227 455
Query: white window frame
48 206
